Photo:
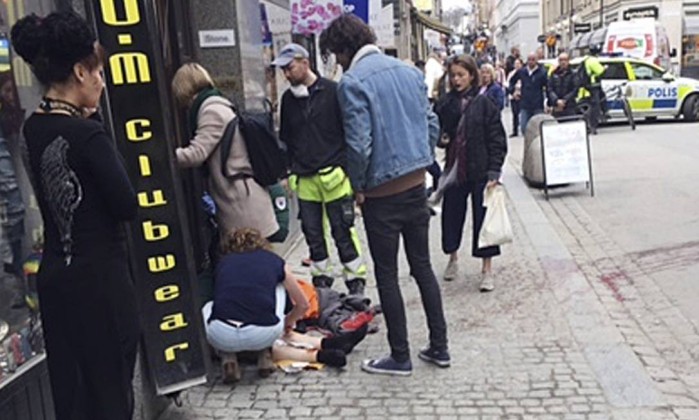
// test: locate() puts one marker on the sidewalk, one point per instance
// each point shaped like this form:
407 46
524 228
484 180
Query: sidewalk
542 346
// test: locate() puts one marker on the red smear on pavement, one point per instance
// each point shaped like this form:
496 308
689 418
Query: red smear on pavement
610 280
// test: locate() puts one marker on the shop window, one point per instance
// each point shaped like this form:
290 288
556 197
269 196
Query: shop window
21 229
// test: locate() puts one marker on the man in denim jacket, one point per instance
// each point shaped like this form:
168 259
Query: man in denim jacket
391 134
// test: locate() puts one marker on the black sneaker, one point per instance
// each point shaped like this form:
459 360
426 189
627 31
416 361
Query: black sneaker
355 286
388 366
437 357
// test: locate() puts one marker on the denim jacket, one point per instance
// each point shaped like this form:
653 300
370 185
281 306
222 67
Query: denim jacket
389 127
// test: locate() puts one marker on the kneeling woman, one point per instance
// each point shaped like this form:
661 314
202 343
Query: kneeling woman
247 313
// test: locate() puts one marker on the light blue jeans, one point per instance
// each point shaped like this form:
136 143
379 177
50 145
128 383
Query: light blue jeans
227 338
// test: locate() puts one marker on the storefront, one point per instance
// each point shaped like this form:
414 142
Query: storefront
147 41
24 388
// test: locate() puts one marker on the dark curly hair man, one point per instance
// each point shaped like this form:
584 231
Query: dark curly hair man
390 132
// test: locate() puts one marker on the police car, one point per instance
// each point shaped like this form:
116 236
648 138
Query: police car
651 91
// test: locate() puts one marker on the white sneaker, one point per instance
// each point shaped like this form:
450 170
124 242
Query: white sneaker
487 282
452 271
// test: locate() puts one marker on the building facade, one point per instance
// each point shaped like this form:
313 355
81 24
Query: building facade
680 18
516 23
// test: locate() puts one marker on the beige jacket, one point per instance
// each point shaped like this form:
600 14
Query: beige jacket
240 203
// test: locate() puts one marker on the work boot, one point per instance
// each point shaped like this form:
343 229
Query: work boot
265 364
323 281
230 368
356 286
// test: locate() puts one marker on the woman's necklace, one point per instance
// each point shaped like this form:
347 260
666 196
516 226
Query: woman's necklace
49 105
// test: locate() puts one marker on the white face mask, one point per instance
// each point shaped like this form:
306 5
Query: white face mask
299 91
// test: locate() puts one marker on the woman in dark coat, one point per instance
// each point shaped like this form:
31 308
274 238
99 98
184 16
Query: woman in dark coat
476 152
88 302
490 87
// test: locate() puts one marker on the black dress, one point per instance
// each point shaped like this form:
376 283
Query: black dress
87 298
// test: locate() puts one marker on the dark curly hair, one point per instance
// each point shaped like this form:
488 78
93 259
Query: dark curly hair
346 35
54 44
244 240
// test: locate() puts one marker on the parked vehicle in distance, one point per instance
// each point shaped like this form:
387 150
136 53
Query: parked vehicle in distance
643 39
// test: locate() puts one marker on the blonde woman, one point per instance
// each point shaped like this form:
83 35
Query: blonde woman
240 201
490 87
248 310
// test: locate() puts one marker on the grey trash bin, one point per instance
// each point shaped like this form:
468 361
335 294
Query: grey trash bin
532 165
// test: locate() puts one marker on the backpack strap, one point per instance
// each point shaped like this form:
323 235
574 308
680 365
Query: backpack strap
227 142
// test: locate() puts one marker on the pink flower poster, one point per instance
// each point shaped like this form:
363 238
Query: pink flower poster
313 16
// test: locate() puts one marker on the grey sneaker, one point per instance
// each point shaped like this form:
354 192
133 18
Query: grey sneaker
452 271
487 282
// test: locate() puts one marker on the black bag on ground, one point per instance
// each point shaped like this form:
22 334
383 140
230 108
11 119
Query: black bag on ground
264 149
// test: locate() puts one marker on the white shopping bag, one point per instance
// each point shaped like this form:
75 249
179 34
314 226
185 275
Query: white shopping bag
496 229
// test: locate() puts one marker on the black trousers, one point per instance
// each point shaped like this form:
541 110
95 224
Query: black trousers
341 219
91 330
454 217
515 116
596 108
387 219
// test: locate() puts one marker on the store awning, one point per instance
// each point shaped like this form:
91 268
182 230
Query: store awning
598 37
432 23
690 25
574 42
584 41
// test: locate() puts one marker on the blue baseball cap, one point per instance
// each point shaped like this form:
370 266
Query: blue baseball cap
289 53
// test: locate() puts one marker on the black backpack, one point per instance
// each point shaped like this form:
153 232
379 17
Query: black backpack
267 157
582 79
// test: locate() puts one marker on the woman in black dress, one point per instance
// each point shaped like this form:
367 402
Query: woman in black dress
86 294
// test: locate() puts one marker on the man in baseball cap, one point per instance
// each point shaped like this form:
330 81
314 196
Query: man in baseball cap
289 53
311 127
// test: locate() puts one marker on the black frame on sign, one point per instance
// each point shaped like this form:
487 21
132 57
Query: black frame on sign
589 184
161 253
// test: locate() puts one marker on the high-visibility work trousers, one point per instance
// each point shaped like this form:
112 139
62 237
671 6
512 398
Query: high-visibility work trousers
329 194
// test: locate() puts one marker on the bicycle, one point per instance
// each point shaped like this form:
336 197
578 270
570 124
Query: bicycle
617 96
612 98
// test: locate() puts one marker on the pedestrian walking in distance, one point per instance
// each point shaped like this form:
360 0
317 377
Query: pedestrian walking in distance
515 92
389 149
476 151
533 78
311 127
88 302
490 87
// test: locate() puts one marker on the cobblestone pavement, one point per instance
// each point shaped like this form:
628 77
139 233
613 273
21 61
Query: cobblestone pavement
552 342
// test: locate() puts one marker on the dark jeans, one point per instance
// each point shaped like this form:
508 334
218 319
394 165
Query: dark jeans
386 219
341 218
515 116
525 115
454 216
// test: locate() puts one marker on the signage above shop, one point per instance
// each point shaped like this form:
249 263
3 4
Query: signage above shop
641 12
581 28
217 38
159 243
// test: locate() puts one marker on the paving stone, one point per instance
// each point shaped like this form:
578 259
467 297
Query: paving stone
530 349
